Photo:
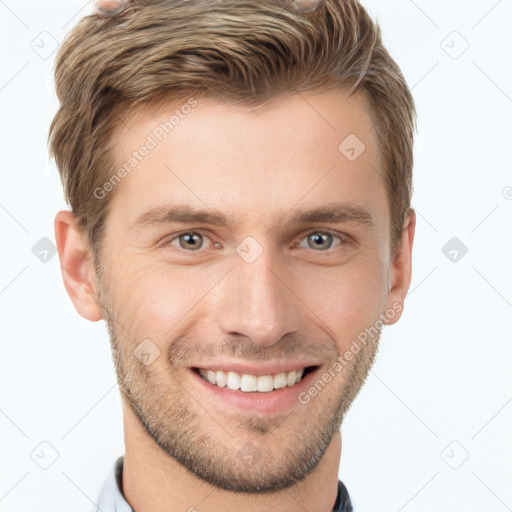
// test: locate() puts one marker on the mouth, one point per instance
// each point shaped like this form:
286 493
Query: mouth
248 383
267 393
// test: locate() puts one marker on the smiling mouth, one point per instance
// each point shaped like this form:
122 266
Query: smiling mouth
254 383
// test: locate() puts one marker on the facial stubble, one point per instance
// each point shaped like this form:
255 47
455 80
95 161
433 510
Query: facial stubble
241 455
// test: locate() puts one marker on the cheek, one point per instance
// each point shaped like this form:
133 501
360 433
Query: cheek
347 299
160 301
155 299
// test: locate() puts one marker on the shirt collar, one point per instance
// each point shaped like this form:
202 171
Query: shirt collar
111 495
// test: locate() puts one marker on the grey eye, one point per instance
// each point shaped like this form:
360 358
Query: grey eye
322 241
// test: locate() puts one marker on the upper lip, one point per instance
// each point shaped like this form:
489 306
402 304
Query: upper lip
269 368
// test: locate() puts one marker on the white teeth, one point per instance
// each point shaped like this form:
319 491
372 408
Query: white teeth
280 380
250 383
233 381
290 378
210 375
220 378
265 383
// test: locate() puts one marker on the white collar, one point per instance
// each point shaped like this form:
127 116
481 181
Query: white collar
111 497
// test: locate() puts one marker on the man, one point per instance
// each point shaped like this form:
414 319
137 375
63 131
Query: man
240 176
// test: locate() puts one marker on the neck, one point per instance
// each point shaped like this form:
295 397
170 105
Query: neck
152 480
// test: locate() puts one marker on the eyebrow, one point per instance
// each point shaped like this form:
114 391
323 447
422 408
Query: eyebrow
332 213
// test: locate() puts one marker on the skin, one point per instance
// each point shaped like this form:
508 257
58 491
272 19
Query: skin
301 298
109 6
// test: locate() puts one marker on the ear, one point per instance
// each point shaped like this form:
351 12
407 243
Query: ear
77 266
400 271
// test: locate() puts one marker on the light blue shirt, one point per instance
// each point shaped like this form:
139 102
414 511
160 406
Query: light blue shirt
111 496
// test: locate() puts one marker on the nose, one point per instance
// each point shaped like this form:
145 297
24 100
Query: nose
256 301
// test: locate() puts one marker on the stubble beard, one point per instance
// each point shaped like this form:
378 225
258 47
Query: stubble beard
242 456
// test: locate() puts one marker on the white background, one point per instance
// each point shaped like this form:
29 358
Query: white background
441 388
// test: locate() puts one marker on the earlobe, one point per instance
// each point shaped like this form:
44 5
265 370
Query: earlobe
76 266
400 271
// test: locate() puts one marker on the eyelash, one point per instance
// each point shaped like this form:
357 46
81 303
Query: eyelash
343 240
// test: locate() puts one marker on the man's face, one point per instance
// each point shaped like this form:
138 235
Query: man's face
262 288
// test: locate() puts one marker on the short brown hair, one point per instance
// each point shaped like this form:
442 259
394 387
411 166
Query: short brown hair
241 51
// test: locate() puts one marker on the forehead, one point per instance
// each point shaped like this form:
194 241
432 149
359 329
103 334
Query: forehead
303 148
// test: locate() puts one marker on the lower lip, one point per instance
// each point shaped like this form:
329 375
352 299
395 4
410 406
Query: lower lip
269 402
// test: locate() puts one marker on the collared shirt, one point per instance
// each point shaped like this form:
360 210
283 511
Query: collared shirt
112 499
